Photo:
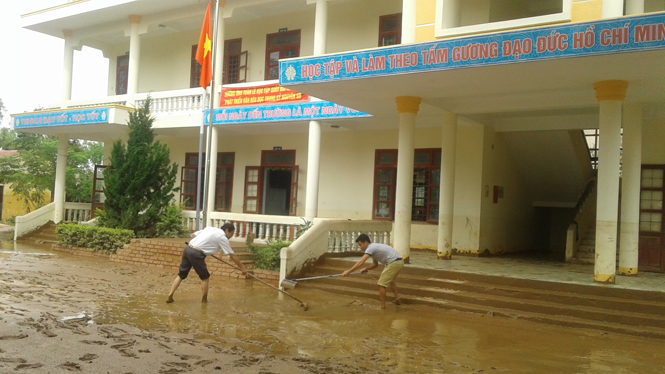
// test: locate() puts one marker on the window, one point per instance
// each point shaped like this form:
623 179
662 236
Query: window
195 70
235 64
278 46
122 74
390 29
224 188
426 177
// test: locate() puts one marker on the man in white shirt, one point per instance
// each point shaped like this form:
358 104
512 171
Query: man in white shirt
383 254
205 242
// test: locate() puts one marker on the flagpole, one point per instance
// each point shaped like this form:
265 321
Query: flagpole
200 161
213 90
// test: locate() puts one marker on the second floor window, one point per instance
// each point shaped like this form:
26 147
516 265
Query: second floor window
390 29
278 46
235 64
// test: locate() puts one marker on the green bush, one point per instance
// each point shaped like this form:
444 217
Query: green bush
170 224
267 257
99 239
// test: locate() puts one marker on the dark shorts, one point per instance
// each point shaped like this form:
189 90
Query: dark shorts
193 258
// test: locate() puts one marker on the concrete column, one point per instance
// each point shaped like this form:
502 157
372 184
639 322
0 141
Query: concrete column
610 95
313 165
134 58
67 68
314 142
320 27
630 189
612 8
447 186
452 13
60 175
407 107
219 55
409 21
634 7
212 173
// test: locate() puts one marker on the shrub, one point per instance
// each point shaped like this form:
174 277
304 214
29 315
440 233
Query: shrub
267 257
99 239
170 224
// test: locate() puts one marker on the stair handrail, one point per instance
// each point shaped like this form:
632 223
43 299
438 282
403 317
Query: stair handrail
33 220
581 218
316 241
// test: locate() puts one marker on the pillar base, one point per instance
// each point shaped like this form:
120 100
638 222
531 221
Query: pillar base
444 255
406 259
604 278
628 271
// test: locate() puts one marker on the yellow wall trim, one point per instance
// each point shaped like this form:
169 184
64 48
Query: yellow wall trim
407 104
611 90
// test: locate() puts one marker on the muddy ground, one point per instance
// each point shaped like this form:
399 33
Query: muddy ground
61 313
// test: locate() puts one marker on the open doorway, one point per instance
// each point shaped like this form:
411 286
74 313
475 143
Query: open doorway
272 188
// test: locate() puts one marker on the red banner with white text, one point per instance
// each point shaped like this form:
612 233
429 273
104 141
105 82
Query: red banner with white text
257 95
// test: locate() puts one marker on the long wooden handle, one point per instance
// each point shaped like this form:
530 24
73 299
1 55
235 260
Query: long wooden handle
267 284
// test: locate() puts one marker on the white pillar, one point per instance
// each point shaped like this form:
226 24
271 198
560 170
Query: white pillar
320 27
407 107
60 175
612 8
212 176
219 56
634 7
447 186
630 189
314 142
451 13
408 21
67 68
134 57
610 95
313 165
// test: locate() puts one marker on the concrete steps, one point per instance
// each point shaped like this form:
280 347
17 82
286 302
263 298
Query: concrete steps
639 313
43 235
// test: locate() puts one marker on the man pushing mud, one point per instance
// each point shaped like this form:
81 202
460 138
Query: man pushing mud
205 242
383 254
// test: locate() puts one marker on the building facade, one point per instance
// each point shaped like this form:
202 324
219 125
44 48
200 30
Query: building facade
461 122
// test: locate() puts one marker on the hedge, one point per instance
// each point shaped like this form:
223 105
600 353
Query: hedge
100 239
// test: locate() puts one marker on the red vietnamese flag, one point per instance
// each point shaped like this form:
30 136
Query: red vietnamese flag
204 51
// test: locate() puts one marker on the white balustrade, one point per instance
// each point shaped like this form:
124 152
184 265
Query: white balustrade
265 228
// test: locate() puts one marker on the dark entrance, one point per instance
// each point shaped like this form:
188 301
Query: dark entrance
651 245
272 188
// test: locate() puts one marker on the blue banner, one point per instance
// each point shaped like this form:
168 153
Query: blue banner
62 118
571 40
309 111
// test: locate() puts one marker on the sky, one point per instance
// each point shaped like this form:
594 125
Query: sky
31 73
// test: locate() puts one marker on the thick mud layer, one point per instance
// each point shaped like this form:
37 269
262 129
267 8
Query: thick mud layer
62 313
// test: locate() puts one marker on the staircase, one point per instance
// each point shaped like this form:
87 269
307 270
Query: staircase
632 312
43 235
586 252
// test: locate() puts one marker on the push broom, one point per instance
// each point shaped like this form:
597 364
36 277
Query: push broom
290 284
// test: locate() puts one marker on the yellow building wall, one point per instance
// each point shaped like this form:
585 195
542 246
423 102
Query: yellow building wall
587 10
13 205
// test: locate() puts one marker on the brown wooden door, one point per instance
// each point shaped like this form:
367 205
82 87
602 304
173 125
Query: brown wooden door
651 248
278 46
253 190
97 190
293 194
122 74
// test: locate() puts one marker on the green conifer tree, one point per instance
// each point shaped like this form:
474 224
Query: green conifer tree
139 184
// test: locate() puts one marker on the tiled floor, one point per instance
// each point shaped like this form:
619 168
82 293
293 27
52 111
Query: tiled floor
531 267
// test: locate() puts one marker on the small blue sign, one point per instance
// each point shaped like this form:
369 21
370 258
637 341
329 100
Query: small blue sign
624 34
61 118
